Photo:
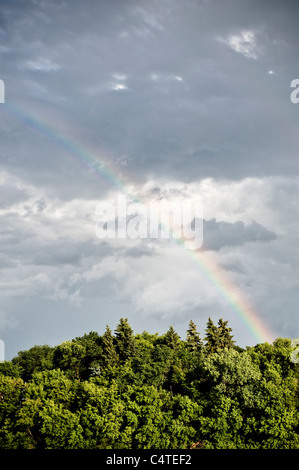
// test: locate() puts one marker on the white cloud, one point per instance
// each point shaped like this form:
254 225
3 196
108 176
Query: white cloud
244 43
165 77
119 87
119 82
41 64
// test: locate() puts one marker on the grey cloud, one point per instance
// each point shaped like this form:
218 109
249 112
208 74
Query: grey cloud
219 234
26 248
162 125
11 194
138 251
234 266
65 252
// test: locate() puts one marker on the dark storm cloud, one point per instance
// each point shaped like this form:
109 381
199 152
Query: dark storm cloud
163 83
218 234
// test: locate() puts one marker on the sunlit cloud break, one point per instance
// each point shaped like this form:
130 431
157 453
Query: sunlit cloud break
244 43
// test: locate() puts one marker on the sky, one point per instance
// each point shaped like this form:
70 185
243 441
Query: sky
155 100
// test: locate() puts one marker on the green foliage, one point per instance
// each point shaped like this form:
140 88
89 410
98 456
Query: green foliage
91 363
109 354
194 342
69 356
11 390
36 358
225 339
172 339
211 337
101 413
124 340
10 369
218 337
151 391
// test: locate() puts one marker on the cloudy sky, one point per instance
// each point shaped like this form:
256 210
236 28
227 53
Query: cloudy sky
158 100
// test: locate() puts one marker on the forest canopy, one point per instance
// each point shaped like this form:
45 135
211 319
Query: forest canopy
121 390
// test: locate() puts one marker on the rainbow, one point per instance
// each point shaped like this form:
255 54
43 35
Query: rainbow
258 329
87 159
74 151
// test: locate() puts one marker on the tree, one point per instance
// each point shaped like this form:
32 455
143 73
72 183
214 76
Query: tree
69 356
148 391
172 339
173 373
273 423
109 355
91 362
48 411
277 354
10 369
228 384
225 339
232 374
60 428
101 413
211 337
218 337
124 340
143 361
53 385
34 359
11 391
194 342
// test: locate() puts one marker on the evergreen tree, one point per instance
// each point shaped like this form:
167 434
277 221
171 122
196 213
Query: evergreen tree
194 342
225 339
109 354
124 340
211 337
172 339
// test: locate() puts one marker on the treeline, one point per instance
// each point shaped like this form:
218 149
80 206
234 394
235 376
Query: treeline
121 390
